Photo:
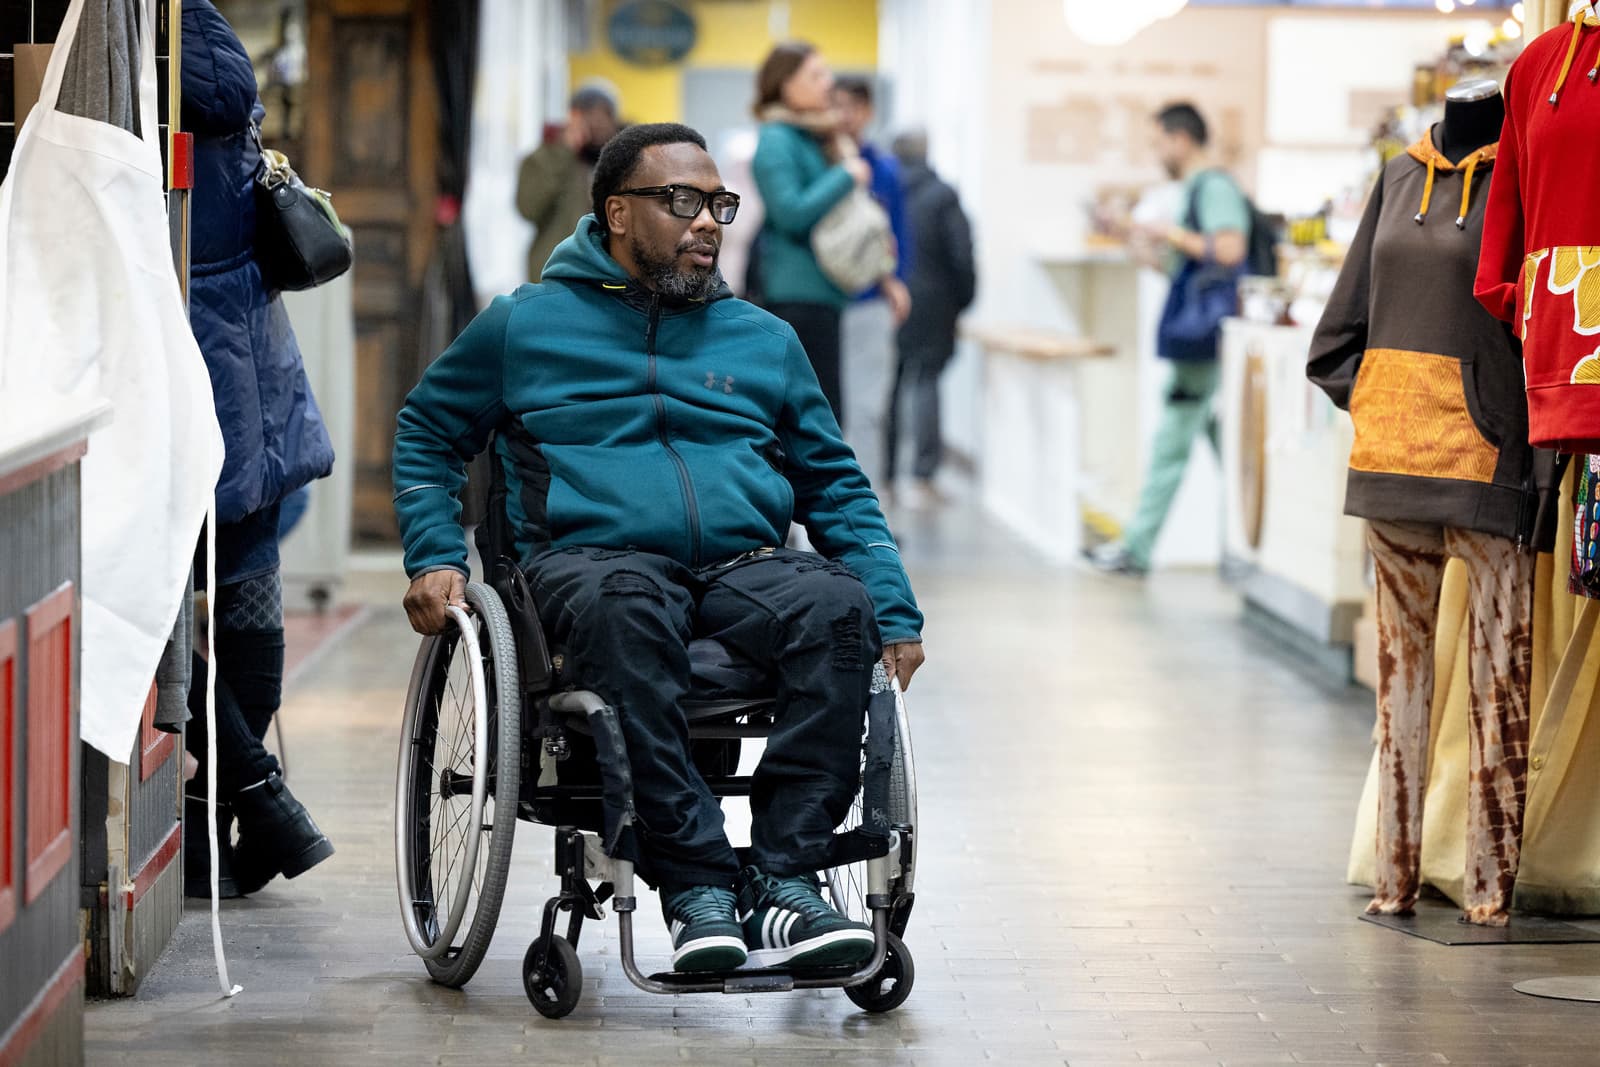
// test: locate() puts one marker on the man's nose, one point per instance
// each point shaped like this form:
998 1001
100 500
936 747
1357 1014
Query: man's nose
705 222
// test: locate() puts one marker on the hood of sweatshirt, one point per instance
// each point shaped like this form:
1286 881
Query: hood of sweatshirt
1425 153
582 257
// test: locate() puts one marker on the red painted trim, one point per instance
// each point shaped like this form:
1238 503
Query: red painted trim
182 161
52 644
155 746
42 468
153 867
43 869
14 1043
8 772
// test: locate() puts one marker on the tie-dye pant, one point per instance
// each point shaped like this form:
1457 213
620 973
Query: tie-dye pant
1410 561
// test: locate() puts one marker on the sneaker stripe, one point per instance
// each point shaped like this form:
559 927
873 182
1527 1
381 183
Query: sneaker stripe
768 925
788 929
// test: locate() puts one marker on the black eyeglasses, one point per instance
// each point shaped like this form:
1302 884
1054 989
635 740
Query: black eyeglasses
686 202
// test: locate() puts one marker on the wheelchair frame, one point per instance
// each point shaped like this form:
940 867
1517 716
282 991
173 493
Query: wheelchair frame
515 685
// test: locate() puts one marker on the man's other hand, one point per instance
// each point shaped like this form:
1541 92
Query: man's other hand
902 661
431 596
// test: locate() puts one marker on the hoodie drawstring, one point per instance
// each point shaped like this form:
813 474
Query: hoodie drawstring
1466 192
1427 196
1566 64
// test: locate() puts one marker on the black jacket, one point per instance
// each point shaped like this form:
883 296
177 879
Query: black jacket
942 279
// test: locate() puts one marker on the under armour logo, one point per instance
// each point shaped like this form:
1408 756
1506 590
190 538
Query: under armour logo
726 383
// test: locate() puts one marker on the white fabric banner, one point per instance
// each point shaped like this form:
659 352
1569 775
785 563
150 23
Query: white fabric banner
90 307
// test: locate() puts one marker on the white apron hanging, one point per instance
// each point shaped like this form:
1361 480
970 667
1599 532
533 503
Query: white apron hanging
90 307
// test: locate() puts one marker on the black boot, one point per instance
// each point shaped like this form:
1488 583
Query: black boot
197 851
276 835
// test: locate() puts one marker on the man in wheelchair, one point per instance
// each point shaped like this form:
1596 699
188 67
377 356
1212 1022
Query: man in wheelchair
657 438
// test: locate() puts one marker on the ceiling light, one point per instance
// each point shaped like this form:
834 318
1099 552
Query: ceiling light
1098 23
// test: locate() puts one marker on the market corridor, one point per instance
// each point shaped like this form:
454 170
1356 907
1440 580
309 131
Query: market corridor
1137 814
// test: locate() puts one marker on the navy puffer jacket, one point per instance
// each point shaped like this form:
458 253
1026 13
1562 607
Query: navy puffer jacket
276 441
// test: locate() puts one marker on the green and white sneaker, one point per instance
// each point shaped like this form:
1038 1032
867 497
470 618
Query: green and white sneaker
705 934
787 923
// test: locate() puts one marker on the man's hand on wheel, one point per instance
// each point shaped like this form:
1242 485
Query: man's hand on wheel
902 661
431 596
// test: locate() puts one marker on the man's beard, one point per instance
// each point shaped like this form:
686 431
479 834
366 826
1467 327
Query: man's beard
673 282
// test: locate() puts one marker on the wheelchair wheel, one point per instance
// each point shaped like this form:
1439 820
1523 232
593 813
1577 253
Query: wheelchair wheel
458 788
847 886
889 988
554 993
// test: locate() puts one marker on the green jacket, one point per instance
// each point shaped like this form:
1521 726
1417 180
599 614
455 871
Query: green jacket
697 432
798 186
553 194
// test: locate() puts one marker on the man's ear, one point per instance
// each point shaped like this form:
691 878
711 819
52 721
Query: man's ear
617 215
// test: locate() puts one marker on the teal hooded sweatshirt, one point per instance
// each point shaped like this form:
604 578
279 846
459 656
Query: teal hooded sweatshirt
696 432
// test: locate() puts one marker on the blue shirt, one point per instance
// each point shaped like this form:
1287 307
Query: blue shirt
887 191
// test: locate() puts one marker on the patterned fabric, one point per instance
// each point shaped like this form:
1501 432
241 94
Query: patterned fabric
1585 579
253 604
1410 561
1411 417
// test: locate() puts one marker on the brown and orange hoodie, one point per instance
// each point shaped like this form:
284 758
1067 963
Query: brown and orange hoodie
1540 267
1432 382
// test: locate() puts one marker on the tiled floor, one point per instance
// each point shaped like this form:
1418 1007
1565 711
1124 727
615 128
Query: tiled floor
1135 815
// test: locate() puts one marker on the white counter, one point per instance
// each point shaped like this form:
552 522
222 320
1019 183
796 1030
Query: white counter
1285 455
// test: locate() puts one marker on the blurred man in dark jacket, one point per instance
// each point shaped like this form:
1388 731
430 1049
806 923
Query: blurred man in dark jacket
943 281
553 183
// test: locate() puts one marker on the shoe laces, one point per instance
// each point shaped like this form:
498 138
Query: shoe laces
702 903
798 893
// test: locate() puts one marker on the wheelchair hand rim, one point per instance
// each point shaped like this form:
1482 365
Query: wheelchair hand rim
404 860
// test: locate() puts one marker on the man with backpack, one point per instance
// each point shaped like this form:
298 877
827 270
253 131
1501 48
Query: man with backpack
1205 251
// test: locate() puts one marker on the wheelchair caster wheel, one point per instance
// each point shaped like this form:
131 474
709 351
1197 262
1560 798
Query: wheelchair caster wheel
555 992
889 988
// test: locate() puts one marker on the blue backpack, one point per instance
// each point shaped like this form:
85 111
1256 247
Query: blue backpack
1204 292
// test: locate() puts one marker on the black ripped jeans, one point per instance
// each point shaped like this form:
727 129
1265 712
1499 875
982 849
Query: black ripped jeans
626 619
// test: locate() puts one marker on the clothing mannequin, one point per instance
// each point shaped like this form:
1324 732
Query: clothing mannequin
1474 111
1424 370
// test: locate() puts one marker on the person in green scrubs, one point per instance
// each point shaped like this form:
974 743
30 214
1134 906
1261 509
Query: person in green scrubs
1213 224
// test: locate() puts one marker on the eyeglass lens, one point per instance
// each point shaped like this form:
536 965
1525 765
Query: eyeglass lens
687 203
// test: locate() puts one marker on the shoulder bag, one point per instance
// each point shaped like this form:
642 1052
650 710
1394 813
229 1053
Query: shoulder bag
300 242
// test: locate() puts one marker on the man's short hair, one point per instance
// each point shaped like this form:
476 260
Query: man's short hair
594 96
1186 119
911 146
856 86
620 158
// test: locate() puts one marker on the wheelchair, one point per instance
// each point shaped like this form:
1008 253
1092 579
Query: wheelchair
495 733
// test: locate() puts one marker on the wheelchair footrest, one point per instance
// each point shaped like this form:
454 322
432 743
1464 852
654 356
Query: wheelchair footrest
750 979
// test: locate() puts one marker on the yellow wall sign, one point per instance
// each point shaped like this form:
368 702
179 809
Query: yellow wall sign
727 36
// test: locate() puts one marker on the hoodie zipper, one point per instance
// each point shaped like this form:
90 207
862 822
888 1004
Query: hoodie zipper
684 484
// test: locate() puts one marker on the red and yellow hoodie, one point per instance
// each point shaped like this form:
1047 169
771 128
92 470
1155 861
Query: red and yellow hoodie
1432 382
1540 264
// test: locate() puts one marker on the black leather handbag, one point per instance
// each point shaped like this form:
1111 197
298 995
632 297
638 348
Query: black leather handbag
300 242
